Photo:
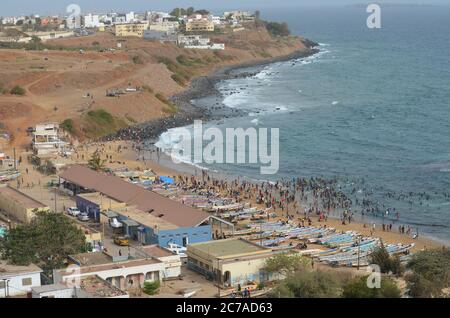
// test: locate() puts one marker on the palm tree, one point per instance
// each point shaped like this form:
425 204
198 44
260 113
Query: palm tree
96 162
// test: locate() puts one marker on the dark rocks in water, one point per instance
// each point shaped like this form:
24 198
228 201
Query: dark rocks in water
308 43
201 87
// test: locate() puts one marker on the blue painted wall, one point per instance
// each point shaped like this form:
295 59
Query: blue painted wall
164 237
89 207
194 235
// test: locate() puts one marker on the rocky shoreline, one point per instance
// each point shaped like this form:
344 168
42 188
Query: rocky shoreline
201 87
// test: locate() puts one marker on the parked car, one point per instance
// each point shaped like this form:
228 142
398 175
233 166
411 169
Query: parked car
115 224
121 241
83 217
73 211
177 249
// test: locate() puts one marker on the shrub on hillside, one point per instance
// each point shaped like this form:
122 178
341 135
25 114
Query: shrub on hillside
277 29
18 90
430 273
387 264
357 288
68 126
151 288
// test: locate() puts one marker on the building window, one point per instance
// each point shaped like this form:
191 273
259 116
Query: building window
2 284
26 281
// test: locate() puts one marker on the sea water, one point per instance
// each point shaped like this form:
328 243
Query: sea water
372 108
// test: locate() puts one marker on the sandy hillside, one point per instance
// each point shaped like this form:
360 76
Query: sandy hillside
67 84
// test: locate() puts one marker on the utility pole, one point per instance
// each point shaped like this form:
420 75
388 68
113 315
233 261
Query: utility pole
15 165
6 286
359 249
55 202
261 234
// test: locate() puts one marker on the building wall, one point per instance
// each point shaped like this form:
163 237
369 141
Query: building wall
119 277
91 208
173 266
245 271
200 26
17 210
17 285
131 29
193 234
196 234
62 293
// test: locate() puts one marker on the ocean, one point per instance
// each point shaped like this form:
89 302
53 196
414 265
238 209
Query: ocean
372 109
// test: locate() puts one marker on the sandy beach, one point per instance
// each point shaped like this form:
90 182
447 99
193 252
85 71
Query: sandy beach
128 157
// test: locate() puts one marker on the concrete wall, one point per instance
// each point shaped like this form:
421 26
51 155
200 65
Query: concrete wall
62 293
173 266
91 208
245 271
16 286
17 210
118 277
193 234
163 237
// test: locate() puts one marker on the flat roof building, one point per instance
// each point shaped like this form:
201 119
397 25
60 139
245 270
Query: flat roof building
19 206
94 203
230 262
161 220
130 29
87 287
18 280
123 272
200 25
171 260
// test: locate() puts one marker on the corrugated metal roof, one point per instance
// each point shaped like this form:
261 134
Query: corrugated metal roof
133 195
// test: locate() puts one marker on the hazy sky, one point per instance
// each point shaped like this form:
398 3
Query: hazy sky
15 7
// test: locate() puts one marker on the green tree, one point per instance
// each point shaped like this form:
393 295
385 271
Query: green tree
309 284
277 29
202 12
178 12
96 162
35 44
430 273
190 11
151 288
387 263
357 288
285 264
46 241
18 90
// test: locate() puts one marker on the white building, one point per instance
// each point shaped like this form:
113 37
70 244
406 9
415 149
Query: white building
18 280
118 19
164 26
239 15
46 139
52 291
87 287
172 261
121 271
130 17
198 42
92 21
215 19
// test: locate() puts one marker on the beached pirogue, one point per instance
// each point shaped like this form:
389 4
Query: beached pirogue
344 248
